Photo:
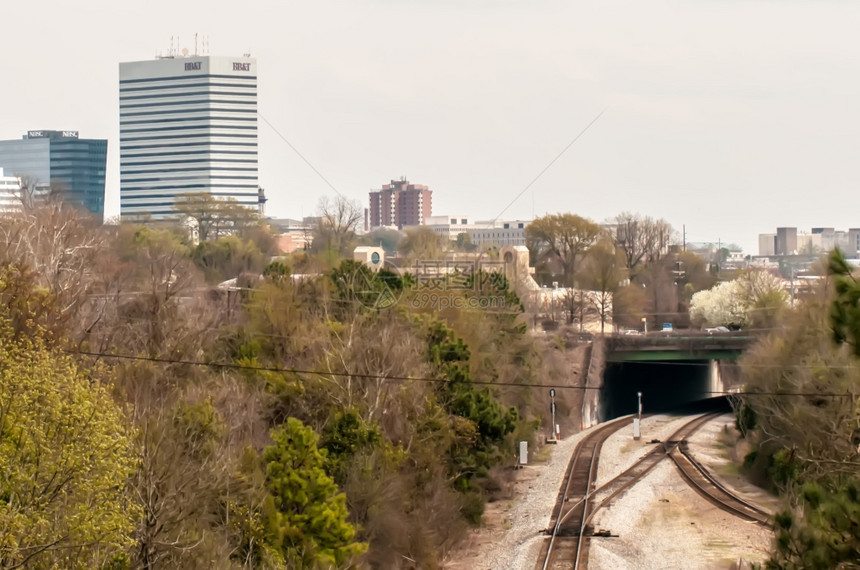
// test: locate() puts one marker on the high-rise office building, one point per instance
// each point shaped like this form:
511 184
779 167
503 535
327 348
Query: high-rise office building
69 166
187 125
400 204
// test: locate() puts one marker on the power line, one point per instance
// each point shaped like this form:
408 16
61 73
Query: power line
803 394
300 155
517 197
553 161
693 362
233 366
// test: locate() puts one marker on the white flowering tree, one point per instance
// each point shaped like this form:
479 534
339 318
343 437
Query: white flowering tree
756 299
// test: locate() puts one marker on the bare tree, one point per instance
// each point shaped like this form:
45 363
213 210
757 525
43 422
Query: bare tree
642 239
32 191
59 244
820 431
572 305
604 271
338 220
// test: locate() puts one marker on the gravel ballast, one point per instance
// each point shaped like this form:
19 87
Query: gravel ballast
660 523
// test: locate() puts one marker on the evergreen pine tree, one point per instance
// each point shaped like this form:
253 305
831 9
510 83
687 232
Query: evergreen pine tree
306 515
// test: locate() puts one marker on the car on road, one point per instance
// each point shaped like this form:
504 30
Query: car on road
717 330
667 328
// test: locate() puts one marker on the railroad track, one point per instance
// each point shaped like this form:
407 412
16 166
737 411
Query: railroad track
579 498
708 487
609 491
571 511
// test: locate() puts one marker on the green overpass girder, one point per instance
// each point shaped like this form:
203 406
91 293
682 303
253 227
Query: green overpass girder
656 347
670 355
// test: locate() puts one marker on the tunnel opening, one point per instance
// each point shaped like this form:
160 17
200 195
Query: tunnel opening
666 386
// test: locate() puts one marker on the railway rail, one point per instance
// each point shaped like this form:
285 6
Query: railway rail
708 487
615 487
571 510
580 498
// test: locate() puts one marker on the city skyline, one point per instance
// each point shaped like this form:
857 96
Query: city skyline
728 118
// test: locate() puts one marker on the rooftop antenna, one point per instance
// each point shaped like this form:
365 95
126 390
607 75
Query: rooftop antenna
205 45
195 44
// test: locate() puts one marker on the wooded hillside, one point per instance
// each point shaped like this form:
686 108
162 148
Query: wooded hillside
149 419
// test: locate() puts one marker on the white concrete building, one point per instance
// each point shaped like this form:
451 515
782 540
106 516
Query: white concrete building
187 125
10 193
450 226
485 234
499 232
767 244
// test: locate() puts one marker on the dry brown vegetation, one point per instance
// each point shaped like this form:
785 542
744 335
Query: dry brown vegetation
400 402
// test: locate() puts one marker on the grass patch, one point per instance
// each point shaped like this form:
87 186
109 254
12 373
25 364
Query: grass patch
543 454
632 445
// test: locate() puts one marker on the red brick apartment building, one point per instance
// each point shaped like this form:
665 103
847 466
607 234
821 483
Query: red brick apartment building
400 204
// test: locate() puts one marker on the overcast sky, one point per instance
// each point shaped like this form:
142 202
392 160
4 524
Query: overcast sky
728 117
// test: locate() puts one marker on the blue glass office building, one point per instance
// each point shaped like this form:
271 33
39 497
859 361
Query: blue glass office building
72 167
186 125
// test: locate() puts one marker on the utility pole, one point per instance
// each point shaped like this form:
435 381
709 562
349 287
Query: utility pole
679 275
637 421
791 276
552 438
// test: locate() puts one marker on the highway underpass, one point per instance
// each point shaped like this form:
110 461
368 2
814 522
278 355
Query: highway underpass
665 386
670 371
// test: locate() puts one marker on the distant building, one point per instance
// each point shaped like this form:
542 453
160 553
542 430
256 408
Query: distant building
292 235
767 244
187 125
448 226
827 239
788 242
72 167
10 193
400 204
482 233
499 233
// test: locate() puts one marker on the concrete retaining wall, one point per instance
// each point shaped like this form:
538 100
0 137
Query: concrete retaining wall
593 384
